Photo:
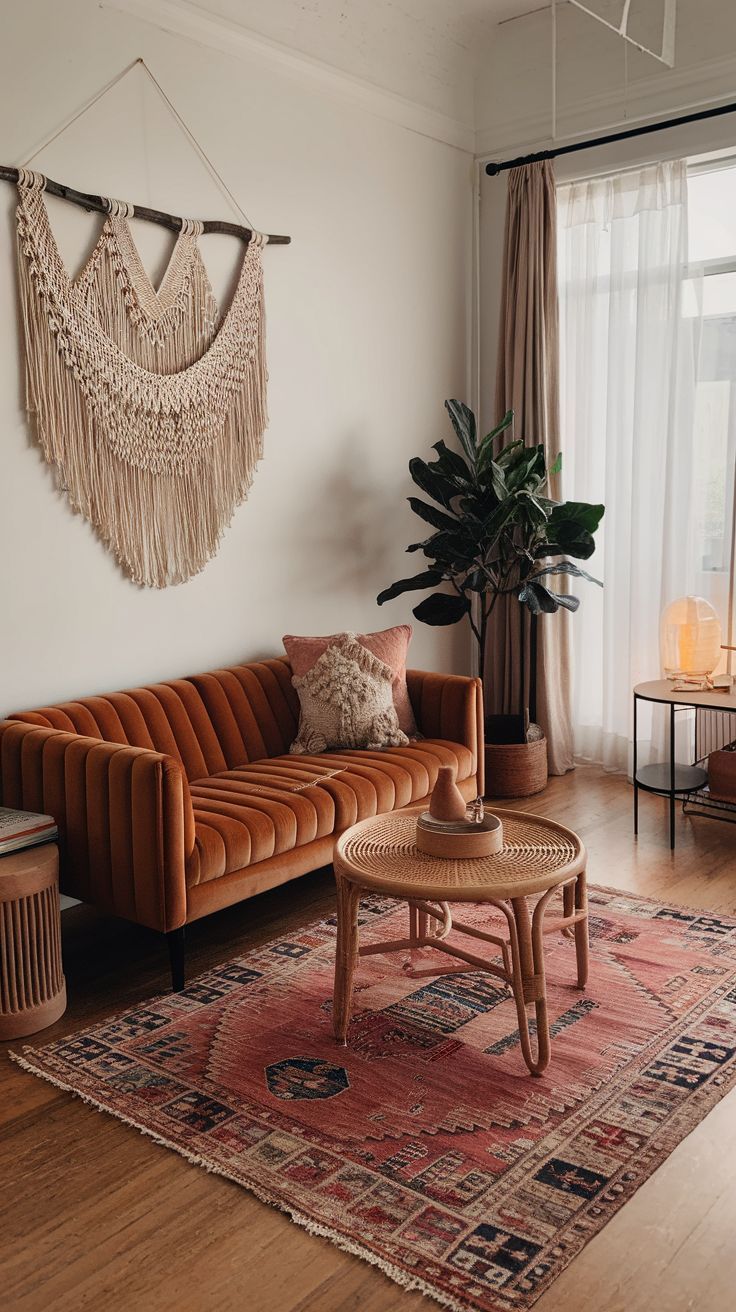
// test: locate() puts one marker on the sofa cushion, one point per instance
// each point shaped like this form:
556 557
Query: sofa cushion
388 645
346 700
271 806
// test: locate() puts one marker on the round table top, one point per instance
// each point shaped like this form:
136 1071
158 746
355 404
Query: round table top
381 854
661 690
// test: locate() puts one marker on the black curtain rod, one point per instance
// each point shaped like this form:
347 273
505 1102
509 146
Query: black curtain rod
494 168
99 203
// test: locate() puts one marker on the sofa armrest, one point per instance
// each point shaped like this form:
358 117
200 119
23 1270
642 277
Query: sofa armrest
125 818
450 706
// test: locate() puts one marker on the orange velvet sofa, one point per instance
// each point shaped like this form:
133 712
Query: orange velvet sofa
180 799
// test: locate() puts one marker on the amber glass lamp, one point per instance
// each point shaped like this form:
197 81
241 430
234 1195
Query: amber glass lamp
691 640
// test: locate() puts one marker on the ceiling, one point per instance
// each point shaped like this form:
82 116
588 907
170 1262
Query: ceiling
424 50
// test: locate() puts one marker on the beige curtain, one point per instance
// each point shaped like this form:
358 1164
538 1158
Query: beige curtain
527 382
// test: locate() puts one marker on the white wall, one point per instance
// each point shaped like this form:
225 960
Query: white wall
367 334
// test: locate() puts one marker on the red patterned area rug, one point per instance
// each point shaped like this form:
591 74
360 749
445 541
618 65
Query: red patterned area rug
424 1146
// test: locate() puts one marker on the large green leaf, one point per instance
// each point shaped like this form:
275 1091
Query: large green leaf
442 608
567 567
486 448
431 515
511 453
435 484
476 581
499 517
538 598
450 550
463 421
493 477
451 463
580 513
570 541
473 511
567 600
494 473
486 445
429 578
535 511
423 546
570 529
529 472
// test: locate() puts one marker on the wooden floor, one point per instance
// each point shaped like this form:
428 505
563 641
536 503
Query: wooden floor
93 1215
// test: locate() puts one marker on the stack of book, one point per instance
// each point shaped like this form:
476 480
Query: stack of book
20 829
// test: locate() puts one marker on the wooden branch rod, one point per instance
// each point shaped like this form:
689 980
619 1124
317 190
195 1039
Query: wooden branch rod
89 202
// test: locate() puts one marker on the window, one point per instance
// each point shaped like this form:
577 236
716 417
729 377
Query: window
712 295
647 282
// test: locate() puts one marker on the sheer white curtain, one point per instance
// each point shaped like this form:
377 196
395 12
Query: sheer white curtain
628 372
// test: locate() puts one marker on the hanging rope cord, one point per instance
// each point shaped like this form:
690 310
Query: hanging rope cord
174 222
141 63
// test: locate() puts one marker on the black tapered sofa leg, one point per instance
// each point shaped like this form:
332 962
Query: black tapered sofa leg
175 940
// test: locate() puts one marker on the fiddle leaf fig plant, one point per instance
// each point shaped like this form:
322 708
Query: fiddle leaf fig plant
495 531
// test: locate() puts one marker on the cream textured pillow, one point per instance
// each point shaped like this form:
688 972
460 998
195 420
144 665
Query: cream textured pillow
346 700
389 645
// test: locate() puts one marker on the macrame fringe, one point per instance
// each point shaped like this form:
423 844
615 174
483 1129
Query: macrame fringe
158 452
162 331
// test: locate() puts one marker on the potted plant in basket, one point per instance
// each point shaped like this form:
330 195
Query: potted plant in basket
495 533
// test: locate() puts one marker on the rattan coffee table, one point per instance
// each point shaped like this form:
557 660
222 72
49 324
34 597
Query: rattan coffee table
379 855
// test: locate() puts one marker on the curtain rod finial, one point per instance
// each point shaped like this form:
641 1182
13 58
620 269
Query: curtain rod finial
493 169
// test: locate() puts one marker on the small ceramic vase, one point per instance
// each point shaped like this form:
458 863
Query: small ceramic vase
447 802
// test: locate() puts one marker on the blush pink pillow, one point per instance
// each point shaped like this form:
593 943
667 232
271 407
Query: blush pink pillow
389 646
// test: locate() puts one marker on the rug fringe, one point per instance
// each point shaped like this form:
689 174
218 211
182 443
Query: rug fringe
340 1241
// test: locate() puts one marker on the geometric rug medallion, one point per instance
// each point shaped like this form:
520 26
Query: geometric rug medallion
424 1146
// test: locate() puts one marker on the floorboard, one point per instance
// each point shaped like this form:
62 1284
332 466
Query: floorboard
95 1216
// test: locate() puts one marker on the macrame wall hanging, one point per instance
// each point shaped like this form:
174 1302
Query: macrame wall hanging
150 405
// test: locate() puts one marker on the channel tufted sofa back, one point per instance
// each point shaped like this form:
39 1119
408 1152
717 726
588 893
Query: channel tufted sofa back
207 722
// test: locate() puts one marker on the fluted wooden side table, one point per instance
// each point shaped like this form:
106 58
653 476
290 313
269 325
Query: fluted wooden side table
32 985
539 856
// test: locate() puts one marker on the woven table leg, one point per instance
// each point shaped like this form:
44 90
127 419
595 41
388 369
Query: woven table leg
408 965
568 907
413 923
528 979
422 923
581 930
348 902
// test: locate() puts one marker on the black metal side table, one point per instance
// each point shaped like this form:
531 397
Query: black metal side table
672 779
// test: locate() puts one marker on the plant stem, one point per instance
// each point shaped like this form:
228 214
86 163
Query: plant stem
534 633
522 663
460 593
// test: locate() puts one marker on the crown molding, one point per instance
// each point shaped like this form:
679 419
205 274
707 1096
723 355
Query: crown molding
670 93
181 18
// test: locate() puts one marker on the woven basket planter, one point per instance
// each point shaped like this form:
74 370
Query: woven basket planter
516 769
